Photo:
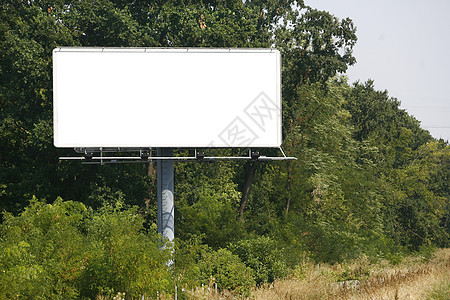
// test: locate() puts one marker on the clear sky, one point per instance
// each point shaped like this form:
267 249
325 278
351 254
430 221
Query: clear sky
404 46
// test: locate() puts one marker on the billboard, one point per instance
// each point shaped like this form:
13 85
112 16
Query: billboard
158 97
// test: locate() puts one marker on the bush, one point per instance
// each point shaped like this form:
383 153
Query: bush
123 256
263 256
65 251
187 255
198 264
42 251
227 270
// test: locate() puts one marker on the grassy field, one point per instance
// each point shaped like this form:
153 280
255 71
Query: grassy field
414 278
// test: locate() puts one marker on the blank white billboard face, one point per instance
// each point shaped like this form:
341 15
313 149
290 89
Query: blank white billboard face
137 97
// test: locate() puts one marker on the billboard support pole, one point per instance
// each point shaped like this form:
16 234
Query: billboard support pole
165 192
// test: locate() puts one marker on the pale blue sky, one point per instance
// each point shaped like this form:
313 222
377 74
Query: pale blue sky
404 46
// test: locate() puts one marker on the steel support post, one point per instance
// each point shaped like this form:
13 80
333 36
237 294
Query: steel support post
165 178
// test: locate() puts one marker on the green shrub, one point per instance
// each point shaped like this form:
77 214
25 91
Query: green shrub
41 251
65 251
263 256
123 256
187 255
197 264
227 270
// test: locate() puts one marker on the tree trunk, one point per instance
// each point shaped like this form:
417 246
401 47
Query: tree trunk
250 168
151 172
288 187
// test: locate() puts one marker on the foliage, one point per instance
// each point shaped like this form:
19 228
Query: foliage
227 270
65 250
197 264
206 202
263 255
42 251
369 181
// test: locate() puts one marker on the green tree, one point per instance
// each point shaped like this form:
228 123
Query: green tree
315 46
421 210
28 33
320 206
378 119
29 30
206 201
412 207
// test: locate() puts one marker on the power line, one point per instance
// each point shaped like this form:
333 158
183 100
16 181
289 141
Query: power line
436 126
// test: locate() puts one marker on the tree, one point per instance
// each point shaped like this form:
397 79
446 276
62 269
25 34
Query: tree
30 30
315 46
412 209
28 33
421 208
378 119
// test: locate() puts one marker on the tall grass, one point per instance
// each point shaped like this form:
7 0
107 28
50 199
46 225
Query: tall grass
441 291
414 278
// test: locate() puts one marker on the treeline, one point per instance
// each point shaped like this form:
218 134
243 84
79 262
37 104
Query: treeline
368 180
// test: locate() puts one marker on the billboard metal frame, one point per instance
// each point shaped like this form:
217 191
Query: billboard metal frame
99 156
165 157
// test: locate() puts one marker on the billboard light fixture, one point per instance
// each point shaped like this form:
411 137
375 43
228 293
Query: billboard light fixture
145 155
255 155
200 155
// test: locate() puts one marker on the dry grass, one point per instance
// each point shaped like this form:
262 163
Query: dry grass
413 279
441 291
